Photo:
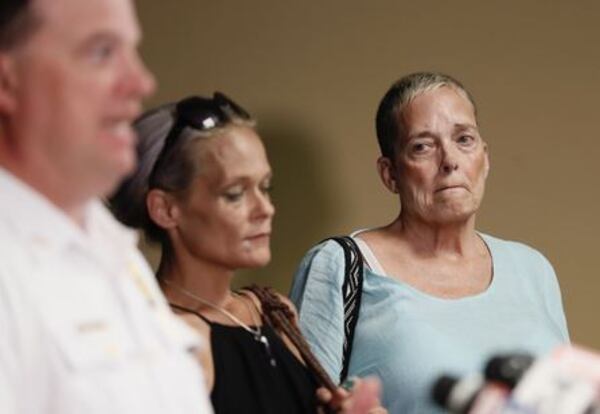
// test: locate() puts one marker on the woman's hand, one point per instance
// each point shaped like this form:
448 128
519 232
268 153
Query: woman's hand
363 398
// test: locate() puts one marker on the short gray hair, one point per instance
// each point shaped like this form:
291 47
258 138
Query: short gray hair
399 95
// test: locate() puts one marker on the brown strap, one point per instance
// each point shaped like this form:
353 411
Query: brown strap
280 316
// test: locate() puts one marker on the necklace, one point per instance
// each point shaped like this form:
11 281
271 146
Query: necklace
256 333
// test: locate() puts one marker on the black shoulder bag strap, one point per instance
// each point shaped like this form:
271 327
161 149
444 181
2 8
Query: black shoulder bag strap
351 294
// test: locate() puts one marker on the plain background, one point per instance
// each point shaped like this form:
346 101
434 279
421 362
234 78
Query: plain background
312 73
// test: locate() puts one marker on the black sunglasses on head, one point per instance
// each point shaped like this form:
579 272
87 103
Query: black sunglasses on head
202 114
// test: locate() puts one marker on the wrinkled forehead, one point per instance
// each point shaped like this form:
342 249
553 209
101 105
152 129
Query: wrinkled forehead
412 95
403 111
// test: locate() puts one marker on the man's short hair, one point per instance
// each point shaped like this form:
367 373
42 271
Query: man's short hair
399 95
17 20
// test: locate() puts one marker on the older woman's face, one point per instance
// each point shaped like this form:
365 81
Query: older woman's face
442 162
226 217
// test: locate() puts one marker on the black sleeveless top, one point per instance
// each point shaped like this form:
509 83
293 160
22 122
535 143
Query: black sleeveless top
246 380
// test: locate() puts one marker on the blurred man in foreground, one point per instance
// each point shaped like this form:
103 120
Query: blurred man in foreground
83 326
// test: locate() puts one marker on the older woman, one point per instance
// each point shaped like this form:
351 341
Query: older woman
437 295
202 190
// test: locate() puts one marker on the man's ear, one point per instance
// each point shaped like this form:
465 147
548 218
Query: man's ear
8 83
385 168
162 208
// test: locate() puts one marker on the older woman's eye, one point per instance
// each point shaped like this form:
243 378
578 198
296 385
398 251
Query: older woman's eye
466 139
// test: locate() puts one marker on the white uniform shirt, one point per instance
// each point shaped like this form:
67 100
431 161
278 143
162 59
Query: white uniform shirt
83 325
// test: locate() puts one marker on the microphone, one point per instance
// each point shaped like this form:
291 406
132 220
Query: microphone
567 381
457 395
508 369
564 382
469 395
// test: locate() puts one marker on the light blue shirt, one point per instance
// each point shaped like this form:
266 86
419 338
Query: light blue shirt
408 338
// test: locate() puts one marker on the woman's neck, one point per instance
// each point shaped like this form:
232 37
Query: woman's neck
208 281
458 239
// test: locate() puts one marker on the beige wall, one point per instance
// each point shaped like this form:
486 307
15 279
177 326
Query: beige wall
312 72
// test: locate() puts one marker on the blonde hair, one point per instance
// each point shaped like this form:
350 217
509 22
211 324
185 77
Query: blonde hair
175 174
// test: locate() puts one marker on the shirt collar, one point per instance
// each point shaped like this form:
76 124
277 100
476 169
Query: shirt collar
32 216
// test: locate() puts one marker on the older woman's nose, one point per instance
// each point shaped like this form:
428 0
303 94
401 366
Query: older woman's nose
449 159
449 165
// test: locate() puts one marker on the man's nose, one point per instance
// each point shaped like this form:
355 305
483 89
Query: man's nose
137 79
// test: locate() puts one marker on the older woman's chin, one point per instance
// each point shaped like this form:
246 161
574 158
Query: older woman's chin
450 211
454 215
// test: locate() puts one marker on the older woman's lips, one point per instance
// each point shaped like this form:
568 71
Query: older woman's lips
450 188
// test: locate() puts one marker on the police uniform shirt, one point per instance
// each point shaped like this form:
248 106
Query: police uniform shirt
84 327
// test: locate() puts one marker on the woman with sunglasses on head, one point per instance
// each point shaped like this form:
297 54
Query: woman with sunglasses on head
201 190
